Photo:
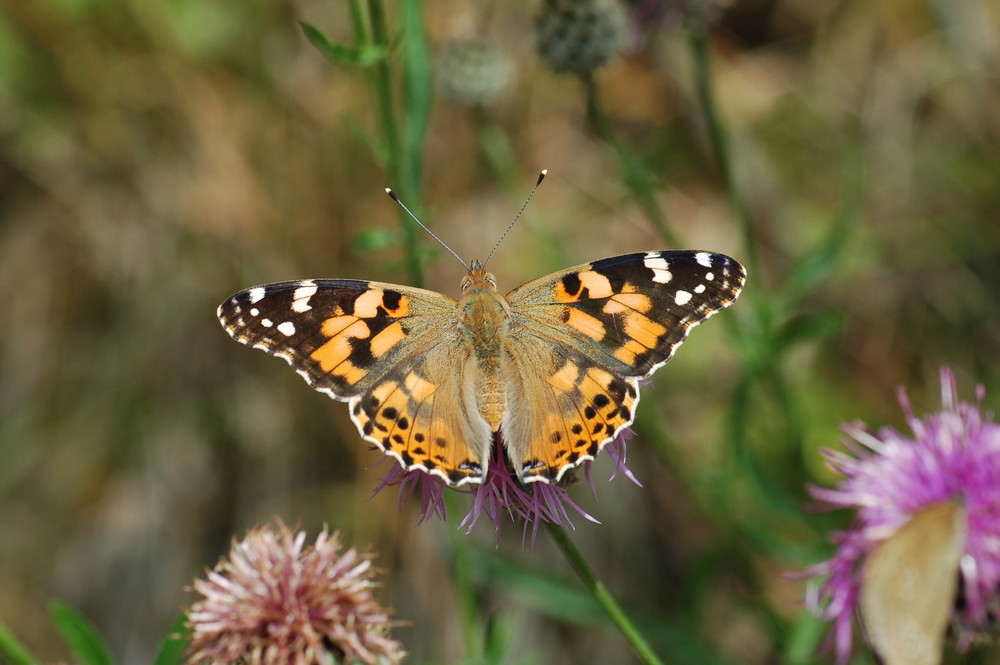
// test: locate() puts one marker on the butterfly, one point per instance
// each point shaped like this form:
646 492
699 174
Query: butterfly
552 368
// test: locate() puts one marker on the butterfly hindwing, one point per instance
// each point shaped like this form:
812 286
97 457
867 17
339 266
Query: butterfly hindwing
417 414
566 410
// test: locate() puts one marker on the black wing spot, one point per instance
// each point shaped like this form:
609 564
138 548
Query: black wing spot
398 439
601 401
419 451
597 428
391 299
556 437
571 284
440 442
589 413
620 388
390 412
361 352
577 428
419 437
406 457
403 423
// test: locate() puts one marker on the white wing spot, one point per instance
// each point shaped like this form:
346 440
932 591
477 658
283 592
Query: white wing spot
654 261
704 258
256 295
300 299
709 276
700 288
254 311
660 267
287 328
682 297
267 323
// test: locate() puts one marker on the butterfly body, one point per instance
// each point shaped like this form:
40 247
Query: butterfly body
552 366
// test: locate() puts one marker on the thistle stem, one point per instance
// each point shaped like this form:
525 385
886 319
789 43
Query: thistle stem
601 594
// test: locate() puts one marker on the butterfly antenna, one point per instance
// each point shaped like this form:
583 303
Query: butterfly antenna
541 177
395 198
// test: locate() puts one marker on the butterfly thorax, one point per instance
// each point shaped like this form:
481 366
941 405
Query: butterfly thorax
484 323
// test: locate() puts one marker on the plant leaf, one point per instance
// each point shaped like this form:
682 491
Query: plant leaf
335 52
11 649
174 643
81 636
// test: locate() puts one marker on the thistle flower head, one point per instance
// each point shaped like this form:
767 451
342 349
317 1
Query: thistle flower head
890 478
473 72
579 36
276 600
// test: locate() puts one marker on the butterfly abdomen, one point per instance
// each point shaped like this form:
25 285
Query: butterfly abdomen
484 322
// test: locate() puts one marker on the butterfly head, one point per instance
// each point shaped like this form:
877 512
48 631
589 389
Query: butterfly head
478 277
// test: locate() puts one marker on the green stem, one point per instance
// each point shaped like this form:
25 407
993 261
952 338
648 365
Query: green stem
382 83
635 173
11 649
604 598
717 136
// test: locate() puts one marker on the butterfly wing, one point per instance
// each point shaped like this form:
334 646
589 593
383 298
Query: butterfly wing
592 332
388 350
909 585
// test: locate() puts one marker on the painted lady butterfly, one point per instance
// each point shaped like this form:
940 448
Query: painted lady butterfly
554 366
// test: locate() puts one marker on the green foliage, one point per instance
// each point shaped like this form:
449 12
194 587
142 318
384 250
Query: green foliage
84 641
174 643
12 650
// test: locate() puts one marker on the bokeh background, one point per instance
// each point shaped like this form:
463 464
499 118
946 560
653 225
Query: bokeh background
158 155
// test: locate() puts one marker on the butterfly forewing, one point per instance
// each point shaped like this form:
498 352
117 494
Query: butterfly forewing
340 335
629 313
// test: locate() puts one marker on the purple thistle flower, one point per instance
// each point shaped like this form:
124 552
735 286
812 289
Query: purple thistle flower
501 493
277 601
890 477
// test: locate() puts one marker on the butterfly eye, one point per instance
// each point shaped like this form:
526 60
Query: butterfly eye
466 283
492 282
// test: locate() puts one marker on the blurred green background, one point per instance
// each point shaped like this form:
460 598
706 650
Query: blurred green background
158 155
